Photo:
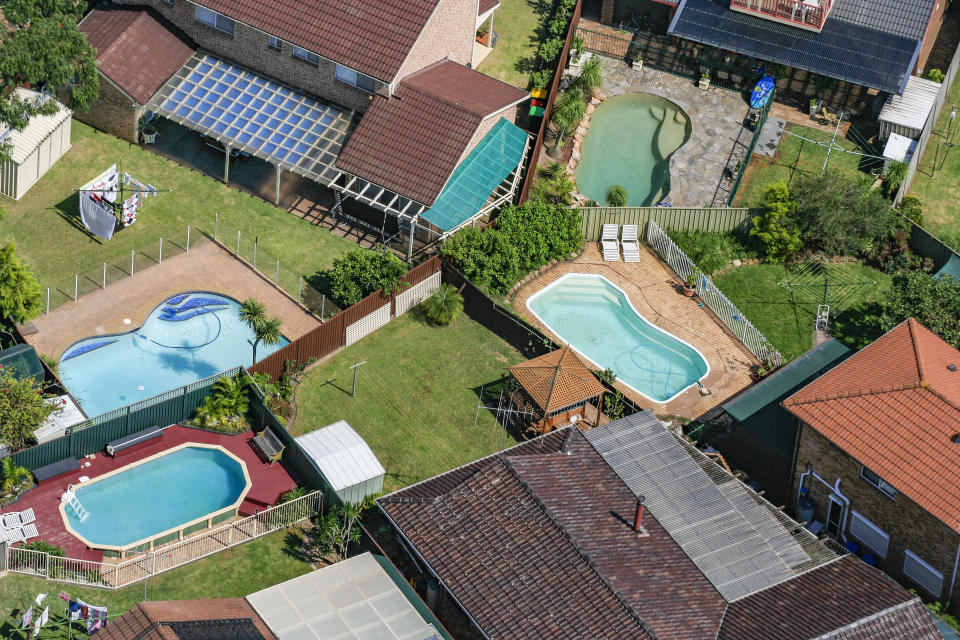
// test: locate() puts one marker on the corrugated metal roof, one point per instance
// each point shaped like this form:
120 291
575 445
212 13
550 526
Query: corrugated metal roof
343 457
786 380
22 143
354 598
911 108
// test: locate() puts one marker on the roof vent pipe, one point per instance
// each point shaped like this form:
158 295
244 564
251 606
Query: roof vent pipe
952 367
638 516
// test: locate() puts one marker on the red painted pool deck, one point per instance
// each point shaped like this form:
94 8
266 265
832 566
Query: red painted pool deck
269 483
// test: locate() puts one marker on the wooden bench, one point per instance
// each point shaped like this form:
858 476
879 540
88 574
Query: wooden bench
268 445
55 469
134 441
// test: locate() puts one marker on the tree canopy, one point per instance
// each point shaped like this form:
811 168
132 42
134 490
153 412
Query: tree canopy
19 290
45 49
22 408
934 302
359 272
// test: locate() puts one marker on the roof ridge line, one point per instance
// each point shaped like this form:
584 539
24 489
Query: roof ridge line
912 325
870 618
851 394
508 465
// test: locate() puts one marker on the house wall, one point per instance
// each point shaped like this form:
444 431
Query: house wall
933 29
113 111
449 34
908 525
485 127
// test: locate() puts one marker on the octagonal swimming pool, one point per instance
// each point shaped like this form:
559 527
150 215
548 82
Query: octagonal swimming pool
157 498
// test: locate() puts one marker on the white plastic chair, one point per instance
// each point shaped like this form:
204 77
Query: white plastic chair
609 242
12 520
29 531
16 535
631 245
26 517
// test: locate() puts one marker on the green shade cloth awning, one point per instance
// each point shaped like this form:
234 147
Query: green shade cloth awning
471 184
952 268
799 372
23 361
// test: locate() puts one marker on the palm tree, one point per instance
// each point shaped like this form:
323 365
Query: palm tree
228 404
265 329
13 474
567 112
444 305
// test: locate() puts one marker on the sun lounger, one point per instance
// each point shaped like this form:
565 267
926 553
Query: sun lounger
609 243
18 518
631 246
16 535
30 531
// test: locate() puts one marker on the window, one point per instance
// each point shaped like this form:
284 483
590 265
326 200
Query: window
357 79
214 19
303 54
869 534
169 2
274 42
922 573
878 482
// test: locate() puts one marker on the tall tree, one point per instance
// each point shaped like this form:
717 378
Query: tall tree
44 49
19 289
265 329
934 302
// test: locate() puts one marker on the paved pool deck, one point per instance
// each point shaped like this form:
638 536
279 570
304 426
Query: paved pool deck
655 292
206 267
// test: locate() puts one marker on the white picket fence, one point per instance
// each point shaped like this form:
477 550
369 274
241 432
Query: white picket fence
150 563
728 313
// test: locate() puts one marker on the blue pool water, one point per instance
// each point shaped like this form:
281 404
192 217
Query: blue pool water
595 317
158 495
186 338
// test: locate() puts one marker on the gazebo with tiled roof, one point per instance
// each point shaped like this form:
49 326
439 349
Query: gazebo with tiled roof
555 387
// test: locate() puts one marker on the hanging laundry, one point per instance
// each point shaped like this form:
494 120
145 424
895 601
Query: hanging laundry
97 619
40 598
65 596
27 618
45 616
36 628
96 217
74 608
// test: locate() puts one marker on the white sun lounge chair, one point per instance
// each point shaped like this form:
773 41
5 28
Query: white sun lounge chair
16 535
30 531
18 518
631 246
609 242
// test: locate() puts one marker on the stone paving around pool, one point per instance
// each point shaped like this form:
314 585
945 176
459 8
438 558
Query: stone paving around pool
654 290
716 117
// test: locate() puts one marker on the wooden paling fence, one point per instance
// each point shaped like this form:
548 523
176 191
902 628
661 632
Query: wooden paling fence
151 562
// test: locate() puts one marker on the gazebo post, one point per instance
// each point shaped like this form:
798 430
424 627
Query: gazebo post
276 197
226 164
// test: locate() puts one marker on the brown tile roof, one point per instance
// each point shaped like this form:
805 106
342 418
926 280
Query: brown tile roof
895 406
411 143
371 36
538 543
134 49
222 618
557 379
843 595
486 5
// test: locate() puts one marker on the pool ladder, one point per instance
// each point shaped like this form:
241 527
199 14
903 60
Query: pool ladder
70 497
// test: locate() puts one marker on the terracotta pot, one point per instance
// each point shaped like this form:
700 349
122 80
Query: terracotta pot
689 291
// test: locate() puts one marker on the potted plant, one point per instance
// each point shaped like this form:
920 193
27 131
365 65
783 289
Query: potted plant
638 62
814 106
766 367
704 80
149 134
690 284
483 35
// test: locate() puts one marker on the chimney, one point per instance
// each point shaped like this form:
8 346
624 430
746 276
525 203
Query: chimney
638 517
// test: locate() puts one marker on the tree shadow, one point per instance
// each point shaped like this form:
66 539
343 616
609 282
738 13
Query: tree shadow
859 325
296 545
321 282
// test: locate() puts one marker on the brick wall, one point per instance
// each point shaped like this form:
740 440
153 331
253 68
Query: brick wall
449 34
485 126
908 525
114 112
933 28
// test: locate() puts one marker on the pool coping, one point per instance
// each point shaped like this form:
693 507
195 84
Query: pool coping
132 545
626 297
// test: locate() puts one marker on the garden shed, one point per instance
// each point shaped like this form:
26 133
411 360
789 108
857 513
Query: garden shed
345 460
35 149
907 113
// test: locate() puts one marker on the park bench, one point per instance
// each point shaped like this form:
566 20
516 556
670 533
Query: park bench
55 469
268 445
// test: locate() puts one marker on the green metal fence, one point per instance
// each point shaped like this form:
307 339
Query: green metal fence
91 436
741 167
718 219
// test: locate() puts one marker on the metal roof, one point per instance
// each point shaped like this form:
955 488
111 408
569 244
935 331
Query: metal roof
912 107
786 379
23 143
354 598
844 49
907 18
341 455
732 538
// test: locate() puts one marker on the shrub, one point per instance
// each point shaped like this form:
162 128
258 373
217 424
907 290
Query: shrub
934 302
359 272
550 49
896 174
912 208
616 196
541 79
936 75
45 547
19 289
444 305
22 408
771 228
711 250
226 409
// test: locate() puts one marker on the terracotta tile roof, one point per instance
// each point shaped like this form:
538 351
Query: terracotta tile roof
895 406
222 618
371 36
557 379
845 598
538 543
411 143
135 50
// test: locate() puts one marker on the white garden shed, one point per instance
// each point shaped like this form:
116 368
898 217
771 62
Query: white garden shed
345 460
907 114
35 149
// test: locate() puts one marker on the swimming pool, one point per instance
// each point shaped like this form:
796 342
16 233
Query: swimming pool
629 143
187 337
155 498
596 318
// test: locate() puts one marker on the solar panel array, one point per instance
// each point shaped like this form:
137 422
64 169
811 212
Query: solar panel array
256 115
738 546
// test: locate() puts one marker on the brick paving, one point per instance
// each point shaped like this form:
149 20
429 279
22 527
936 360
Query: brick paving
269 483
654 290
206 267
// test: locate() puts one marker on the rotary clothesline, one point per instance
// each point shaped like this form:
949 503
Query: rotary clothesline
75 609
833 146
99 201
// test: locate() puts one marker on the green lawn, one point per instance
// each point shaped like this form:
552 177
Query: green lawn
416 397
512 59
233 573
788 321
793 157
50 237
939 189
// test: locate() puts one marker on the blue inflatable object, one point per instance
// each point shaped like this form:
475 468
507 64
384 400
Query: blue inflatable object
762 92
